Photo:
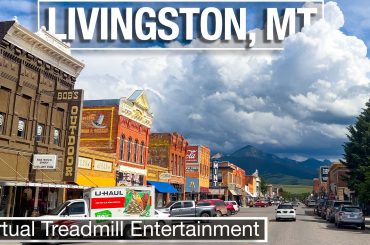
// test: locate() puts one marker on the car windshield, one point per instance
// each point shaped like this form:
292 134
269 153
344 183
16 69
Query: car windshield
59 209
337 204
169 204
285 206
351 209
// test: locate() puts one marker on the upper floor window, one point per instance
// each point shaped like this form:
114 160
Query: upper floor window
40 132
129 149
142 153
2 122
122 147
21 127
135 150
57 136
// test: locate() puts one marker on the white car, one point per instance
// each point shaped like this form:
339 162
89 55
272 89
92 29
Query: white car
235 205
285 211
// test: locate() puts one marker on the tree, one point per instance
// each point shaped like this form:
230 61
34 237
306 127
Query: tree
263 186
357 155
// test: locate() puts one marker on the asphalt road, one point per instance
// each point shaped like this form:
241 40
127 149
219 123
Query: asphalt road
308 229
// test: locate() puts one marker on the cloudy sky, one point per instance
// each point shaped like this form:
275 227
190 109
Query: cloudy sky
297 102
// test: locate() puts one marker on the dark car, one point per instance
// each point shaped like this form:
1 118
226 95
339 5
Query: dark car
333 208
320 205
219 204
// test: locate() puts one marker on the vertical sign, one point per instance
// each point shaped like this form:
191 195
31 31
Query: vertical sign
74 100
192 159
324 172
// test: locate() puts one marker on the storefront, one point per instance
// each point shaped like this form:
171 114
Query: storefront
129 176
25 199
179 183
192 189
217 193
158 177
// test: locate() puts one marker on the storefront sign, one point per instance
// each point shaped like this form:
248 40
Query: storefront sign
44 161
164 176
84 163
192 154
216 191
74 100
103 166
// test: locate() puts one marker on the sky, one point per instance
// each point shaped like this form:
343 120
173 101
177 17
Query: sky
297 102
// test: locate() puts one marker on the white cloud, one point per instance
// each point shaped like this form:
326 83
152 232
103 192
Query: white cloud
300 98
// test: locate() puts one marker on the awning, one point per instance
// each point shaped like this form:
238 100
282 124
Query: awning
234 193
163 187
45 185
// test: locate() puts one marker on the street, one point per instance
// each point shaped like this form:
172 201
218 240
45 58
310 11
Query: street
308 229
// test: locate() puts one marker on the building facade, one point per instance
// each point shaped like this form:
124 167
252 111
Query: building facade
33 126
168 150
337 185
197 168
121 127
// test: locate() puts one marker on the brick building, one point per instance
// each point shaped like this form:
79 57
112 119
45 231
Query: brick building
120 126
337 185
168 150
197 170
33 66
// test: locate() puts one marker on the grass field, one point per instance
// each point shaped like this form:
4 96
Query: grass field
297 189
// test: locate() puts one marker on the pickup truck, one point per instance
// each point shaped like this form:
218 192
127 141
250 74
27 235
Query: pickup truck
188 209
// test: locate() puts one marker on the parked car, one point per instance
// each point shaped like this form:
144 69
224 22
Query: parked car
219 204
188 209
333 208
285 211
311 204
235 205
230 208
350 215
319 207
260 203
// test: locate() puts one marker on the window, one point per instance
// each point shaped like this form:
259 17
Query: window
77 208
122 147
142 153
176 205
40 132
135 150
2 122
21 127
188 204
57 136
129 149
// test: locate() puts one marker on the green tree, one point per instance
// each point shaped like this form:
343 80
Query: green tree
357 155
263 186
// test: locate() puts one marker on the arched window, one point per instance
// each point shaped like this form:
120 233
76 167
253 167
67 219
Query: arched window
142 153
122 147
135 150
129 149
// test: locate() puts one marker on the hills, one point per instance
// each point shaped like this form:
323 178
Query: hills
275 169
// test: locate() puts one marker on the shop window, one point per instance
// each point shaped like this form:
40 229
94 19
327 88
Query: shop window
21 127
129 149
57 136
40 132
135 150
122 147
2 122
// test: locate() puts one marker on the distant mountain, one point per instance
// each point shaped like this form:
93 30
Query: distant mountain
275 169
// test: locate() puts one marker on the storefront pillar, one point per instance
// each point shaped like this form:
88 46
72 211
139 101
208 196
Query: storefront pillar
35 211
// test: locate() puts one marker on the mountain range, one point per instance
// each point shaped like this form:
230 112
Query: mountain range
274 169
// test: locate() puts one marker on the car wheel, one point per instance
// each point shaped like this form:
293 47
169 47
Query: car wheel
277 219
363 227
204 215
339 225
228 213
294 219
219 214
127 232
